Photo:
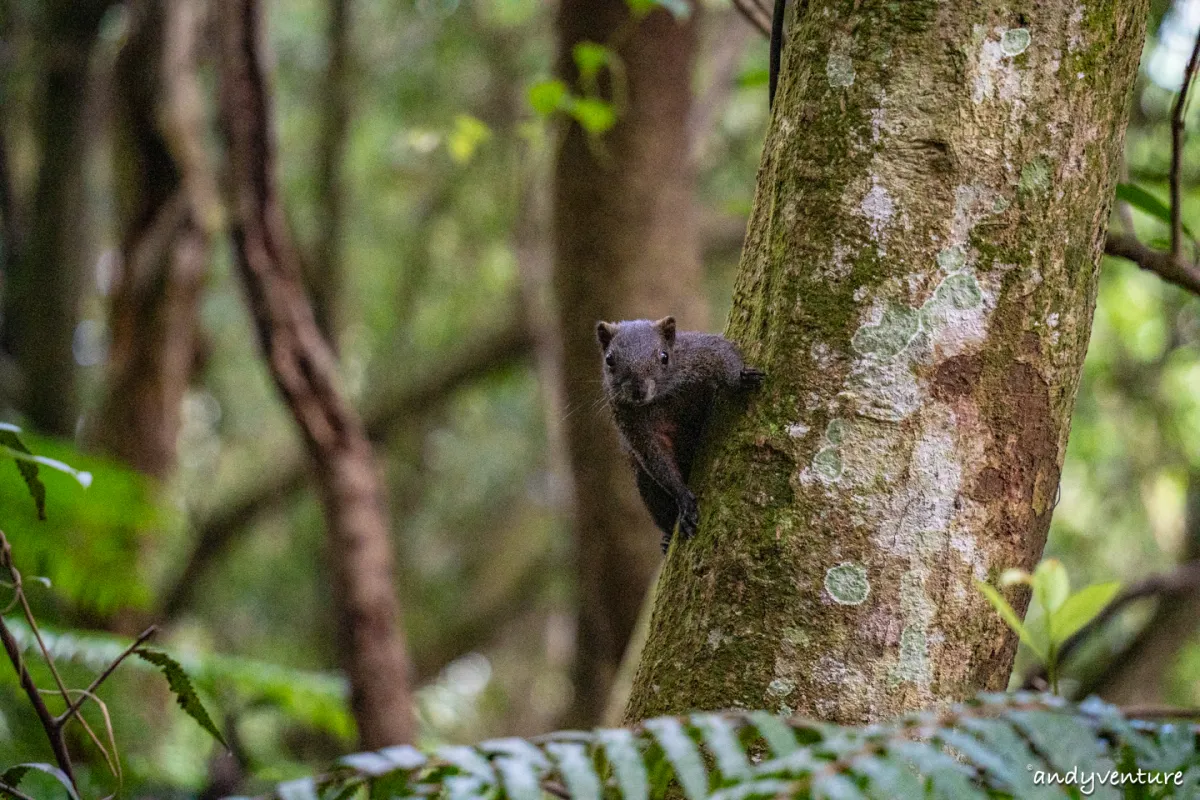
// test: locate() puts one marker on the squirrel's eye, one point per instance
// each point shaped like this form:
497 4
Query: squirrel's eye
608 359
663 357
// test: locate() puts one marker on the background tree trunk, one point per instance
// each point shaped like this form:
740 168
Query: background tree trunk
302 364
626 247
918 283
41 298
166 193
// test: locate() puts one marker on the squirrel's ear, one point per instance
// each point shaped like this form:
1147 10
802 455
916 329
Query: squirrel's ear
667 326
605 331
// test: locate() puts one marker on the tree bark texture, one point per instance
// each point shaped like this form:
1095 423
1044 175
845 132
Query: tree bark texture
303 367
41 301
625 247
155 302
918 283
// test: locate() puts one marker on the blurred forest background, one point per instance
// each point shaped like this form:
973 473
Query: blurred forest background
462 220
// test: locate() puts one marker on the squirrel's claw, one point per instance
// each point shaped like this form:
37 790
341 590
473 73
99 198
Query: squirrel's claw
751 378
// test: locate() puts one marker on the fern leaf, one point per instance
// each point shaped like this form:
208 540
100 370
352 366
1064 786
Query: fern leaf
181 686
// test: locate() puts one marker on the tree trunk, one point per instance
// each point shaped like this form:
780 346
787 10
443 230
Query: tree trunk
918 283
302 365
41 302
625 246
155 304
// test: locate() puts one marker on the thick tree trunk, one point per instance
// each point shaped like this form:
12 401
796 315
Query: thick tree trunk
625 246
302 365
918 283
155 305
43 288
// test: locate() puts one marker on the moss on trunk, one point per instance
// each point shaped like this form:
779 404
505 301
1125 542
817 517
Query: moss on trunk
918 283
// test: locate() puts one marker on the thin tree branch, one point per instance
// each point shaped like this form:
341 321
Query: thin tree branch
72 709
12 791
53 732
382 416
1159 712
755 14
1183 579
1177 134
1178 271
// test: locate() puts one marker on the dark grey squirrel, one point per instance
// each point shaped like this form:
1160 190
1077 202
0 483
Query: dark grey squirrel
662 386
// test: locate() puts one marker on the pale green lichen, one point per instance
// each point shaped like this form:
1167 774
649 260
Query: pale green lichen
952 259
893 333
847 583
1015 41
913 663
781 687
827 463
835 431
958 292
1035 177
840 70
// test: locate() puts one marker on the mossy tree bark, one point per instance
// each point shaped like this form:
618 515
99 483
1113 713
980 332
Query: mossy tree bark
625 247
918 283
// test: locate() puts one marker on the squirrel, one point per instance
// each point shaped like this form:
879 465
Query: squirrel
662 386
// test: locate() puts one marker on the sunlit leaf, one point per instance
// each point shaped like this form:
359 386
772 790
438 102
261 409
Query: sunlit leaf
1081 607
547 96
468 134
594 116
590 58
1013 621
1051 586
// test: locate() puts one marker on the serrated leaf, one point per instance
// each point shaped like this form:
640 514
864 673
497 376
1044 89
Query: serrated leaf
181 686
621 750
547 96
515 747
887 779
722 740
835 786
979 755
1012 620
49 769
521 779
1065 740
683 754
776 733
1081 608
468 760
11 445
761 787
575 766
467 787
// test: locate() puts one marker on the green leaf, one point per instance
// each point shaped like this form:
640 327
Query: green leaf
54 772
1147 203
1012 620
1051 586
722 740
683 754
11 444
548 96
754 78
762 787
468 760
300 789
1081 608
622 752
678 8
521 779
593 115
466 137
590 58
776 733
181 686
575 766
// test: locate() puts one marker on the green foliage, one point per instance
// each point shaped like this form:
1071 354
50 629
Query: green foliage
998 745
1144 201
678 8
1055 614
314 699
86 541
468 134
181 687
13 776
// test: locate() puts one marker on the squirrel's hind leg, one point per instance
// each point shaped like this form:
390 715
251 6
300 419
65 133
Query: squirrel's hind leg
659 503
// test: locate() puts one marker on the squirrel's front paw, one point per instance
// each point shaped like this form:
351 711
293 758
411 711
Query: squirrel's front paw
689 516
751 378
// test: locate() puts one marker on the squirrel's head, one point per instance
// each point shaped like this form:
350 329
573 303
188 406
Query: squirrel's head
637 358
